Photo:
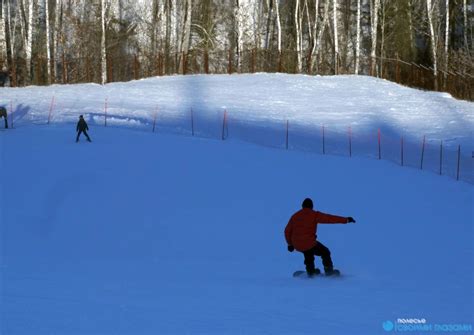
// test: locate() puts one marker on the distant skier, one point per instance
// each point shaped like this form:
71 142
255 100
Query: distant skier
4 77
300 234
82 128
3 113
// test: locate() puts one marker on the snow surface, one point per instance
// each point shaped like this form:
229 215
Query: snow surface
153 233
365 103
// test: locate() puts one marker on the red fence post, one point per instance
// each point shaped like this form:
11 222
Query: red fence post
224 124
50 109
423 151
287 126
401 150
459 161
105 113
380 150
324 144
192 121
350 141
441 158
154 119
11 113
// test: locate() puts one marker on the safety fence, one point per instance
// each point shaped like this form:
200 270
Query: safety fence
442 157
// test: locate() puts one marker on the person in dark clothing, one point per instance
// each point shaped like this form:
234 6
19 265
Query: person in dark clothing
82 128
4 77
3 113
300 234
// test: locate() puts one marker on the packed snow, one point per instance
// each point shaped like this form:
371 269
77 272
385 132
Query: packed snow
166 233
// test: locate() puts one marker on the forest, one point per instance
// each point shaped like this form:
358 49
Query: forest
419 43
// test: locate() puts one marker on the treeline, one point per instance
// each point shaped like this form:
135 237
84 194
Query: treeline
423 43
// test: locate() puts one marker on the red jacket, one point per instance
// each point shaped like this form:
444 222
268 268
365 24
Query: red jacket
300 231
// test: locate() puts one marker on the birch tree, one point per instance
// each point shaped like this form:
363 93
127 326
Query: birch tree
297 37
464 10
186 33
357 38
320 34
446 40
58 16
239 28
434 41
103 51
277 10
268 23
374 16
28 38
3 40
314 33
48 50
336 38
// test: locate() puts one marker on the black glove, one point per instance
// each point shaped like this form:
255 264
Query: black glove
291 248
350 219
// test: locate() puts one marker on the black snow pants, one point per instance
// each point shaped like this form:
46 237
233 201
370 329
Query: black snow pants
319 250
85 133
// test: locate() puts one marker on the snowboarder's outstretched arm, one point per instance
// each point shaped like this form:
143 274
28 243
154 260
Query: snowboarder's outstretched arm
328 218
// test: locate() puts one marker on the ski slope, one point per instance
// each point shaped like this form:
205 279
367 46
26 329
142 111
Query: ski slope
160 233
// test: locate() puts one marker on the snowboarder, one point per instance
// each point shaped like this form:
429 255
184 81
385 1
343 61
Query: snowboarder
82 128
300 234
3 113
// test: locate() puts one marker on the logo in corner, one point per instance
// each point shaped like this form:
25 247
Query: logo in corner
387 326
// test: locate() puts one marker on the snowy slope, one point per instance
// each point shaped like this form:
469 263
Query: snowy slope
258 107
365 103
153 233
141 233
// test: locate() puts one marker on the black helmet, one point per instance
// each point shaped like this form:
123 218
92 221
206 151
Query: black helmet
80 116
307 203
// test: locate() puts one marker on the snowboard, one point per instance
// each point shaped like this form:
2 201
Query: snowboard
303 274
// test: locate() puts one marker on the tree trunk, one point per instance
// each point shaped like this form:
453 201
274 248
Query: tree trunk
336 39
374 24
297 37
321 32
57 38
446 43
430 11
3 40
29 41
186 39
357 38
269 19
103 53
464 10
238 12
278 25
48 50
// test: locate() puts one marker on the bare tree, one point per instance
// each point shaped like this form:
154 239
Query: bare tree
28 37
239 22
297 37
434 40
464 10
48 50
186 33
357 38
3 40
336 38
375 7
278 26
103 51
446 40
